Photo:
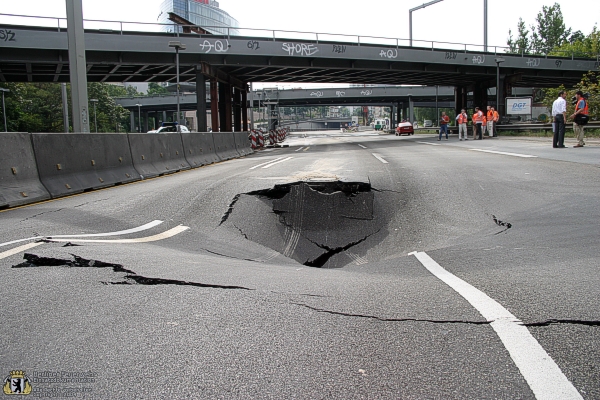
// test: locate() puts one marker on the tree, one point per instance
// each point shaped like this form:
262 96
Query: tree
154 89
522 44
550 31
589 85
580 45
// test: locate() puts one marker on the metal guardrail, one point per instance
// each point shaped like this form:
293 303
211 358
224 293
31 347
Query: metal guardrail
61 24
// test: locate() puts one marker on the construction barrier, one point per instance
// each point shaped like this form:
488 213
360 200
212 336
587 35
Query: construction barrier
253 139
242 145
225 145
260 139
199 149
19 180
73 163
157 154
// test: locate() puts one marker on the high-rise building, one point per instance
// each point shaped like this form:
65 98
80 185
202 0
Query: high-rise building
204 13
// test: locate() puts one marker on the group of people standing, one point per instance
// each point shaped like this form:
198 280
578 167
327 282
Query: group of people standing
481 123
559 114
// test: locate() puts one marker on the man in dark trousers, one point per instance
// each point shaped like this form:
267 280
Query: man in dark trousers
559 114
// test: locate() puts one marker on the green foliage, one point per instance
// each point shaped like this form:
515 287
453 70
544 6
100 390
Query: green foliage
37 107
154 89
522 44
589 84
551 31
580 45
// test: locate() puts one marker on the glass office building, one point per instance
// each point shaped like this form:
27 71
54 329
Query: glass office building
204 13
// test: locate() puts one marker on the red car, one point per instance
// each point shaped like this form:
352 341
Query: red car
405 128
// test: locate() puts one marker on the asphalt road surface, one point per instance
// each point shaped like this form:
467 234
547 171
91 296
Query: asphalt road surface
343 266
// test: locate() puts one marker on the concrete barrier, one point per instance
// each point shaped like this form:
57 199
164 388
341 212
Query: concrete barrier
242 143
199 149
225 145
74 163
157 154
19 180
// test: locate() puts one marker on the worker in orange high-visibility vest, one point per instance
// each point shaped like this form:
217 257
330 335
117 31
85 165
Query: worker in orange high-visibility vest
581 107
490 121
496 119
462 120
479 118
444 121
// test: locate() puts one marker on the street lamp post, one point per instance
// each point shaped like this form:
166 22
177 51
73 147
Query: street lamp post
4 108
139 118
410 16
498 60
94 101
178 46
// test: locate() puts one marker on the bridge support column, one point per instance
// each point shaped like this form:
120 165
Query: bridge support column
214 104
393 122
225 107
164 116
201 101
146 122
237 110
399 112
411 110
480 96
77 67
501 108
245 111
132 122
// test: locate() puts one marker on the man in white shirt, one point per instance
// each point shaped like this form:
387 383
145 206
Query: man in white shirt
559 114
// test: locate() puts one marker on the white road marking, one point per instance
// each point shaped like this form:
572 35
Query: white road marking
265 163
299 149
543 376
364 147
431 144
377 156
505 154
165 235
306 148
277 162
19 249
125 232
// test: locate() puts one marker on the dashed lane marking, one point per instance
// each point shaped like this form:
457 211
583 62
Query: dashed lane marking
543 376
265 163
299 148
505 153
364 147
377 156
19 249
431 144
277 162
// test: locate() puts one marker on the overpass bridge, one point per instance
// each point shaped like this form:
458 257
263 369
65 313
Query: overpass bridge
229 63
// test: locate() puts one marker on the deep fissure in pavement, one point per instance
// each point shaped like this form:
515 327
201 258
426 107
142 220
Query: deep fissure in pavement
34 261
315 223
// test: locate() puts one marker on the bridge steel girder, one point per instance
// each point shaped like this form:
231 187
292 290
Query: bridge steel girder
233 61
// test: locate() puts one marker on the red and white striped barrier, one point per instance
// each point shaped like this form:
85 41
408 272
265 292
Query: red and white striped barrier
253 139
260 139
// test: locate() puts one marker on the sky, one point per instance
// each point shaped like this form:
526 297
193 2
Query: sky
455 21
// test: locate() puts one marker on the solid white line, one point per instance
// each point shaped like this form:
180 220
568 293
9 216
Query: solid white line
364 147
544 377
19 249
280 161
125 232
265 163
167 234
504 153
299 148
431 144
377 156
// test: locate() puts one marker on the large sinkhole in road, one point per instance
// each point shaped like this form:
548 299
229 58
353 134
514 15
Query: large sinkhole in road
318 224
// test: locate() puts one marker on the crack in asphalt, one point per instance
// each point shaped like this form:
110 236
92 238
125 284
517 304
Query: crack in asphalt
321 260
230 209
433 321
506 225
33 261
549 322
90 202
225 255
42 213
241 231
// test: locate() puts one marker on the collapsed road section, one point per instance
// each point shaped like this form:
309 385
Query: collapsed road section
314 223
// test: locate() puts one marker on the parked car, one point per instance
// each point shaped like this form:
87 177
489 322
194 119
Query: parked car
405 128
428 123
169 127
